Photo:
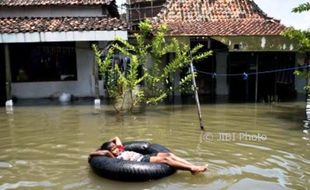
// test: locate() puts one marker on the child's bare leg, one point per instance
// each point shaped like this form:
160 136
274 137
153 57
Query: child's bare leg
177 164
180 159
173 156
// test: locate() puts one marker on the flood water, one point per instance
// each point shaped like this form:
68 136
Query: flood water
247 146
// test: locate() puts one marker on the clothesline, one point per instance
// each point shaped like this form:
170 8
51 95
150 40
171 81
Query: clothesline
245 74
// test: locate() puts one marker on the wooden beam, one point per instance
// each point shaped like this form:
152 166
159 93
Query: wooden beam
196 96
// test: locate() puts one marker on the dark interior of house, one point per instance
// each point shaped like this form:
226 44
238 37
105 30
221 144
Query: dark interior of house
34 62
2 76
274 75
206 82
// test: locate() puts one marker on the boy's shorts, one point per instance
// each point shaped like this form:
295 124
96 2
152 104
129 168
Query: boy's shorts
146 158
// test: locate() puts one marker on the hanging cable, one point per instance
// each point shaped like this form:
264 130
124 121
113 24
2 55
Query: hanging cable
245 75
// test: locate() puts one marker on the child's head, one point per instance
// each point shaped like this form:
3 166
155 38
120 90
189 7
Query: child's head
107 146
110 146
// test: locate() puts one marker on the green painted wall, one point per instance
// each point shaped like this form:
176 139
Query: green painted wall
257 43
182 39
251 43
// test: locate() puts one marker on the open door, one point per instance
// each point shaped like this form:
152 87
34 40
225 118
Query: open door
241 88
276 81
2 76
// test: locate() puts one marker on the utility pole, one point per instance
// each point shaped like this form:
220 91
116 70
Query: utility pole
307 121
256 79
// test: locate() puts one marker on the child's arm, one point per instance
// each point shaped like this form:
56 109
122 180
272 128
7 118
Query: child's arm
117 141
102 153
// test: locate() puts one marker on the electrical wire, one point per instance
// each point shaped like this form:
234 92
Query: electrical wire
245 75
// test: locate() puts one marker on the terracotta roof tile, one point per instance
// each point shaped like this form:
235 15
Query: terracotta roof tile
225 28
217 17
144 1
60 24
52 2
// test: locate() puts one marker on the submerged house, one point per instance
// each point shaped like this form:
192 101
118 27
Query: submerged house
45 45
251 60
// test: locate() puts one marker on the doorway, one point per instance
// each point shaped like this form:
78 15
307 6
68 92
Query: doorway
269 77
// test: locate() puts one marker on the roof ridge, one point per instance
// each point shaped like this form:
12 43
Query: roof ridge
19 3
260 11
207 10
55 17
59 24
217 17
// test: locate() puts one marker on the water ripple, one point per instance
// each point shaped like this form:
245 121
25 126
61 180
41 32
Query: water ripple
254 146
5 165
26 184
55 144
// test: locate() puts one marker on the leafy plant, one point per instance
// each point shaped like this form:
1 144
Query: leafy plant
303 40
302 8
146 78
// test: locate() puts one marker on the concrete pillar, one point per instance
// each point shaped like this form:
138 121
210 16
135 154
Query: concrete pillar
97 101
175 78
95 74
300 82
8 78
221 68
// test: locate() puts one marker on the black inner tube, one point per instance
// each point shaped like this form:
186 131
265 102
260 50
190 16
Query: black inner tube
125 170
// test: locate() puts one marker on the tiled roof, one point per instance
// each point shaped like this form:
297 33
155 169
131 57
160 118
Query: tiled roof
217 17
52 2
145 1
225 28
60 24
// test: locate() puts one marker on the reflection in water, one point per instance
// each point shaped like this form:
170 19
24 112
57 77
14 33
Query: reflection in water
247 146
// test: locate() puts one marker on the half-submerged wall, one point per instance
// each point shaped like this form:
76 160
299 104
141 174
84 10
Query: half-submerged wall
81 87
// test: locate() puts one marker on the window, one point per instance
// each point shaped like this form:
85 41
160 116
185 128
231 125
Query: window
34 62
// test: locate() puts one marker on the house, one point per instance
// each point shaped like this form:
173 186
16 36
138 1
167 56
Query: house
251 60
45 45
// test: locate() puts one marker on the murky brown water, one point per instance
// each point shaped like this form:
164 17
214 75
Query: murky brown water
247 146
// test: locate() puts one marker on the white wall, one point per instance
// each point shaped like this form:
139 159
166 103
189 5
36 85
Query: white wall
50 11
70 36
83 87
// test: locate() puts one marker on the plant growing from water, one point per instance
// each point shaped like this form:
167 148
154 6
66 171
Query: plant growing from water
303 40
146 79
